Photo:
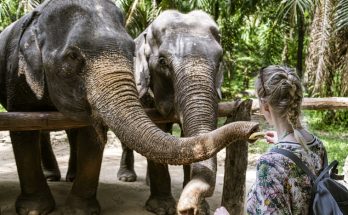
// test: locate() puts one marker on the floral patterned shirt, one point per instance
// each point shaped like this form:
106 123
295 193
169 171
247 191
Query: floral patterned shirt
281 187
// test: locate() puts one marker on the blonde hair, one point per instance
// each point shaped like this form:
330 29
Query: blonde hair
281 88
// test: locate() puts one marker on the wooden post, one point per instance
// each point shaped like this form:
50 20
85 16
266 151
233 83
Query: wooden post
236 163
345 170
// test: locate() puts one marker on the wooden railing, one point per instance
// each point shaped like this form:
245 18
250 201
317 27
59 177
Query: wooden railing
20 121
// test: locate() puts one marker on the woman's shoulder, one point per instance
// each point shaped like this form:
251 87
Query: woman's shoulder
313 157
312 141
271 160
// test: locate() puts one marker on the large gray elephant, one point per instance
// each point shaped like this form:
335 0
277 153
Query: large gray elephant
75 56
178 61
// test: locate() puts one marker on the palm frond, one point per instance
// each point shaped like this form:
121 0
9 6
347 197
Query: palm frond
319 61
344 77
29 5
138 15
131 12
341 51
291 9
341 16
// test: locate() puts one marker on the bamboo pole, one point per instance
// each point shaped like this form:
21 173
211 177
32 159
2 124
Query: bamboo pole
21 121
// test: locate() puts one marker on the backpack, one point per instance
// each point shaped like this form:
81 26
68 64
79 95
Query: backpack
329 197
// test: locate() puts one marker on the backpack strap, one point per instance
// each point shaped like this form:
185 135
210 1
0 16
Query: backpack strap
326 163
326 172
333 167
297 161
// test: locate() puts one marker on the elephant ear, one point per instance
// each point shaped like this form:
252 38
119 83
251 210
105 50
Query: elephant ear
30 58
219 79
142 72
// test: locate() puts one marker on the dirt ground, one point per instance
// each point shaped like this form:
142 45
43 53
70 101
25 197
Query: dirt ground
114 196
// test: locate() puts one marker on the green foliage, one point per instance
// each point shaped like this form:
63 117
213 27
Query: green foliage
2 109
257 36
9 12
259 147
328 120
336 146
332 132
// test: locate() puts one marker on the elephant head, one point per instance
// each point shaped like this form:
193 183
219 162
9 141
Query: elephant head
179 58
82 57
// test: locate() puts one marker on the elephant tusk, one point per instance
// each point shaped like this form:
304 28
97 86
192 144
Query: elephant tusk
256 135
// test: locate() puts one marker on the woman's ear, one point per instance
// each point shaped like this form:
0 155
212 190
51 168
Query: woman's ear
142 72
266 111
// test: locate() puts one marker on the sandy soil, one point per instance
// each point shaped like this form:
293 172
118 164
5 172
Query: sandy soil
114 196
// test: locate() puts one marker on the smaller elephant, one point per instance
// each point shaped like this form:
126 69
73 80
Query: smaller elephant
178 72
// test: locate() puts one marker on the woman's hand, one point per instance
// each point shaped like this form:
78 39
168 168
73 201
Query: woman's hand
271 137
221 211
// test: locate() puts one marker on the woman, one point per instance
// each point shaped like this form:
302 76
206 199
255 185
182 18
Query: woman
281 187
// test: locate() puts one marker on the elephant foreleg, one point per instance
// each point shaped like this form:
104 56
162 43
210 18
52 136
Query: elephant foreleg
83 196
202 184
186 168
72 138
161 200
187 174
35 197
126 172
49 161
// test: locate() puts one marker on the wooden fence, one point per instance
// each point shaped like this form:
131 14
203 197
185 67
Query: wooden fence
20 121
236 155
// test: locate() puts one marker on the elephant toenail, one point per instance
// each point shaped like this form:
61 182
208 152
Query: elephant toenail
34 212
22 211
171 211
161 211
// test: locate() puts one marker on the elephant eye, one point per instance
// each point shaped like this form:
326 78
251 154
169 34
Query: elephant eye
73 55
162 61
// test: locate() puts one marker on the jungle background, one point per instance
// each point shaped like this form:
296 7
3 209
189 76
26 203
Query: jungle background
309 35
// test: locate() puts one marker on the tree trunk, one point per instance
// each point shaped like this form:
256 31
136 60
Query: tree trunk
236 162
216 11
345 170
300 42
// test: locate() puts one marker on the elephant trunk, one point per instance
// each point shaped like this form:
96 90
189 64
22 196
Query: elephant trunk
196 96
197 101
113 98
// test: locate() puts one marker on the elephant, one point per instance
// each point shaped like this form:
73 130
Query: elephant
178 65
75 57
